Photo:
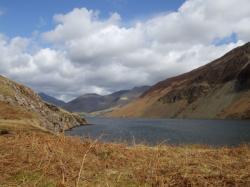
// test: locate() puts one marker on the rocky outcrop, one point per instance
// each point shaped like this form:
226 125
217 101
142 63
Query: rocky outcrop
190 93
243 79
47 115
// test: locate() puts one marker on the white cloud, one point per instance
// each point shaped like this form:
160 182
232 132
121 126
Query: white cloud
78 23
92 54
199 21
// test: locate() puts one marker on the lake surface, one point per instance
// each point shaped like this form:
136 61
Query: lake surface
169 131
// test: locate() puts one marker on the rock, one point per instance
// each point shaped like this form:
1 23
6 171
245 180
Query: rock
243 79
49 116
191 93
4 132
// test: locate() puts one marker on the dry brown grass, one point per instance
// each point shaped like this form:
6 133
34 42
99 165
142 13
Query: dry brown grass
39 159
16 118
8 111
5 88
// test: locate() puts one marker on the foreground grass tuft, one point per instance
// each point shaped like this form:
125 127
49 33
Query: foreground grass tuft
40 159
27 178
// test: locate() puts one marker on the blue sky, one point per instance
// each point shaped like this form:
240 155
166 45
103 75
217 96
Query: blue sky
22 17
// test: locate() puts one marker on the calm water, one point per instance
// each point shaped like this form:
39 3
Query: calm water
171 131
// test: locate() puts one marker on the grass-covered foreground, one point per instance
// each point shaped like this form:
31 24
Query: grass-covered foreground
41 159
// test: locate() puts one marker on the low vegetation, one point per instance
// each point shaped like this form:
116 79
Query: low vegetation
14 113
35 158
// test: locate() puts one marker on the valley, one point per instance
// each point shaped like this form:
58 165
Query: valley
125 93
35 151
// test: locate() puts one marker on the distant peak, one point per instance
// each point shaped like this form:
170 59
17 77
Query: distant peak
140 87
42 93
89 95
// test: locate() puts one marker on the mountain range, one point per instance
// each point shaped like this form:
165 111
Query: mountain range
52 100
93 102
220 89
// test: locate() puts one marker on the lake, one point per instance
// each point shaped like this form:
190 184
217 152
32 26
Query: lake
168 131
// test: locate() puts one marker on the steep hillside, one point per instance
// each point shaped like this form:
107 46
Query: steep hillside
51 100
95 102
21 106
220 89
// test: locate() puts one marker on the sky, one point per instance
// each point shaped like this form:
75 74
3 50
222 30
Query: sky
69 48
29 15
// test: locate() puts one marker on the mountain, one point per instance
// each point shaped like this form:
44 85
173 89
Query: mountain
220 89
21 105
94 102
51 100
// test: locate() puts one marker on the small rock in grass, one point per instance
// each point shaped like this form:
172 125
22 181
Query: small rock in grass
3 132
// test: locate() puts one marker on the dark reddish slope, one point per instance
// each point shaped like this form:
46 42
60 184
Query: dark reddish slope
221 70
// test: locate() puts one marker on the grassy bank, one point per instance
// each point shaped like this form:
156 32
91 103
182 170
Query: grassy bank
41 159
